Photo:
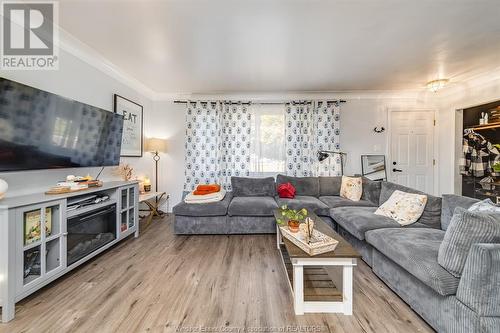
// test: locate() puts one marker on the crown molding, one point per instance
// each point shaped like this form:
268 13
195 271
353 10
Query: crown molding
84 52
477 82
281 96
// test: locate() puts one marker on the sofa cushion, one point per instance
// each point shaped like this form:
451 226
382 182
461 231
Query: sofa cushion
253 187
336 201
252 206
450 202
432 211
302 201
303 185
330 185
484 206
416 250
351 188
359 220
203 209
371 190
405 208
467 228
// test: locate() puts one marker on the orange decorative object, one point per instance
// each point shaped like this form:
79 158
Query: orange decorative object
206 189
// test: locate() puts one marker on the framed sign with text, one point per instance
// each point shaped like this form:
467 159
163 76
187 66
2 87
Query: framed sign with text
132 139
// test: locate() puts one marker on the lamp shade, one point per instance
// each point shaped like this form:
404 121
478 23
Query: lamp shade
156 145
3 188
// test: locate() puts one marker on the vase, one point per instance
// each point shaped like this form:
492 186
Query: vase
3 188
293 226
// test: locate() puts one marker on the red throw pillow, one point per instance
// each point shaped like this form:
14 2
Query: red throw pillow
286 191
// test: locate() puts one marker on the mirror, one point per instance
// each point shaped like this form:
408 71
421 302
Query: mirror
373 167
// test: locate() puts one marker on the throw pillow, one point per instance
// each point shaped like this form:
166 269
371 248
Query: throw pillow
485 206
466 228
286 191
351 188
405 208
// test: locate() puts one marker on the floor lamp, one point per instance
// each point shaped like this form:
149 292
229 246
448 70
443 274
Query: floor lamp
156 146
324 154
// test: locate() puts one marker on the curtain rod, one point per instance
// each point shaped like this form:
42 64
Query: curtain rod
257 103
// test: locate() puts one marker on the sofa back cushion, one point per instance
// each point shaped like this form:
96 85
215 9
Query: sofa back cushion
466 229
431 216
253 187
329 186
371 190
303 185
450 202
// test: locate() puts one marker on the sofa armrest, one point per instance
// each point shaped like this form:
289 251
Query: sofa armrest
479 287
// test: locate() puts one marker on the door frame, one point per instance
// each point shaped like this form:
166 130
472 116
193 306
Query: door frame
435 146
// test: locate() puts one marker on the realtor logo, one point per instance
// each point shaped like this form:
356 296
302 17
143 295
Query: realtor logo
29 35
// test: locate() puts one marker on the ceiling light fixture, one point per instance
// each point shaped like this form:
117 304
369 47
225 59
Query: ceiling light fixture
436 85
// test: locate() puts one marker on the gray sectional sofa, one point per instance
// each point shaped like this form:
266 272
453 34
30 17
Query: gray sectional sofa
405 258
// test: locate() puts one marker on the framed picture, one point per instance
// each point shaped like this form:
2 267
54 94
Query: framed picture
132 139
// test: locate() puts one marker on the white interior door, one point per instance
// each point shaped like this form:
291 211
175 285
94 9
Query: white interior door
411 147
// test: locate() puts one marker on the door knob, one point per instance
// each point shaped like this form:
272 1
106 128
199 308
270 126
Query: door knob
396 170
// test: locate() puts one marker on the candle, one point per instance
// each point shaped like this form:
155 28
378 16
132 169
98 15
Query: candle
147 184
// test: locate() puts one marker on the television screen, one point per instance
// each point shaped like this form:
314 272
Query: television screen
40 130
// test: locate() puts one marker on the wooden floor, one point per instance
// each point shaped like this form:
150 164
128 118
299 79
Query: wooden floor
166 283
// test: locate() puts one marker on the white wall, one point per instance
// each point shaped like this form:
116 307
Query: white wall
168 122
80 81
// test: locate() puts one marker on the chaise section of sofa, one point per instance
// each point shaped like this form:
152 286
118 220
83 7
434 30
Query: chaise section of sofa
202 218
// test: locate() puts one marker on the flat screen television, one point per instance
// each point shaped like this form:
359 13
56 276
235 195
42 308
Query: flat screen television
41 130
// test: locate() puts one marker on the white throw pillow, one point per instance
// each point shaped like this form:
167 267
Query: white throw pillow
351 188
405 208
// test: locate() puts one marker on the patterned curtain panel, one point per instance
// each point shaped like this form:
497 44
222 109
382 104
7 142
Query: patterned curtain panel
234 142
310 127
217 143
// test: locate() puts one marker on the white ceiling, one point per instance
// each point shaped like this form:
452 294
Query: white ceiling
201 46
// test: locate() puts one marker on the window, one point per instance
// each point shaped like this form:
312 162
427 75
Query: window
267 157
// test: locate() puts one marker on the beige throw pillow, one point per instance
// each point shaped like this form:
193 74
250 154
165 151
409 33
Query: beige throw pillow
351 188
405 208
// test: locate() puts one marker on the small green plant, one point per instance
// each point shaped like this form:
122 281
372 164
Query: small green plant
291 215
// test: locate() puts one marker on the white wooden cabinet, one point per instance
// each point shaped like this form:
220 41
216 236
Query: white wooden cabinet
34 237
40 243
128 210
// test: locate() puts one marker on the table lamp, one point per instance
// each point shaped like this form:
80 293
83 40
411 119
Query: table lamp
156 146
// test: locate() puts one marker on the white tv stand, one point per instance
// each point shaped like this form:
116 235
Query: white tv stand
50 244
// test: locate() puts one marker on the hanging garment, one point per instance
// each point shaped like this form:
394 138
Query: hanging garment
479 156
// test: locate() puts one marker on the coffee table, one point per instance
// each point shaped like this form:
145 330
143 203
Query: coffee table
322 283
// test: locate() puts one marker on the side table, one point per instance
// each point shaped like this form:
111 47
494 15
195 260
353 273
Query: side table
153 205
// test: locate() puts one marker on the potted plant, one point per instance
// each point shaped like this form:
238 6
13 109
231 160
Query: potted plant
292 217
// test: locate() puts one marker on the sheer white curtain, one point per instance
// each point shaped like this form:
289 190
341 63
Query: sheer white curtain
267 148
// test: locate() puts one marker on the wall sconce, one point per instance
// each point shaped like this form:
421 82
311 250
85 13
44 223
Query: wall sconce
379 129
